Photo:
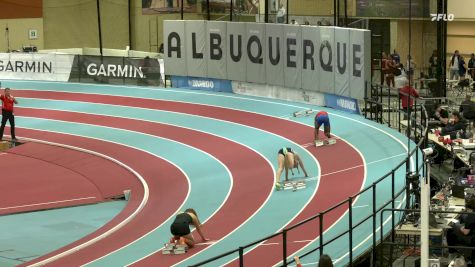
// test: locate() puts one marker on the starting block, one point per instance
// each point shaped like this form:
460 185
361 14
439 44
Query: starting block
4 145
172 249
304 113
329 141
294 185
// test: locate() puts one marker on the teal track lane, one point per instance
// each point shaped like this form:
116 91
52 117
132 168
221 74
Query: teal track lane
382 148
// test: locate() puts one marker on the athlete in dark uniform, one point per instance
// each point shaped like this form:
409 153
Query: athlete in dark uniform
287 159
180 228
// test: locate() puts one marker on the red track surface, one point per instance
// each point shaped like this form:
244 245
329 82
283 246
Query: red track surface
235 211
330 191
46 183
169 194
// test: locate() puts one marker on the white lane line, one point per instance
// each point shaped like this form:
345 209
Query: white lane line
241 125
251 100
113 229
46 203
361 206
1 154
354 167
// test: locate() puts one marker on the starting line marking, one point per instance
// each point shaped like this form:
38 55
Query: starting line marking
354 167
46 203
296 241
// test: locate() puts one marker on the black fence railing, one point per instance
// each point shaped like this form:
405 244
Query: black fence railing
419 124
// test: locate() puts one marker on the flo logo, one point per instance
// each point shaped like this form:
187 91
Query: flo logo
442 17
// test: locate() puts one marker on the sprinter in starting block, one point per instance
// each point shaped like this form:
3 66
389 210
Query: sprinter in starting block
182 238
322 119
288 159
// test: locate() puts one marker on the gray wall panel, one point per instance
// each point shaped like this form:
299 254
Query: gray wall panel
196 59
358 67
342 61
326 54
216 49
293 56
236 57
174 34
275 67
256 51
311 66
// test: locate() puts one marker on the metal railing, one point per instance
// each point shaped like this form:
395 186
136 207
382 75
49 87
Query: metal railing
352 223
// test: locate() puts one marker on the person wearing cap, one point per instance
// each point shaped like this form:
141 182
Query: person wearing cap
288 159
7 112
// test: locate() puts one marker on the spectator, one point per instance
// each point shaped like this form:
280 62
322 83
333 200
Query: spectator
325 261
463 234
471 66
294 22
462 68
441 114
410 66
388 68
467 108
454 66
281 14
306 22
396 57
433 64
456 125
407 95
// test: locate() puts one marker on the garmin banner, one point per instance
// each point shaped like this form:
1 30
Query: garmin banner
115 70
33 66
323 59
198 83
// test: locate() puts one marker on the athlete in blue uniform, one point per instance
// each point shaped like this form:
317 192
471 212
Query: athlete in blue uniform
322 119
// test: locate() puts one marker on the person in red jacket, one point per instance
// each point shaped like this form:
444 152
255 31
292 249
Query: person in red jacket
7 112
407 95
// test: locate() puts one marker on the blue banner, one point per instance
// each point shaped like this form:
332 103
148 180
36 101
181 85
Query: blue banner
342 103
198 83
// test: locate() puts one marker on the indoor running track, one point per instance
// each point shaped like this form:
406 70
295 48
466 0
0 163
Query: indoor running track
217 153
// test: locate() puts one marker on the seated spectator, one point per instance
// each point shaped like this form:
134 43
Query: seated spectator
325 261
467 108
456 125
463 234
441 115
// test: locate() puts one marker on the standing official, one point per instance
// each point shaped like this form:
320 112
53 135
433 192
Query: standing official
7 112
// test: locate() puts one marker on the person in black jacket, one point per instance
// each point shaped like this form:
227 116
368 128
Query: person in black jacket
471 66
457 124
463 234
467 107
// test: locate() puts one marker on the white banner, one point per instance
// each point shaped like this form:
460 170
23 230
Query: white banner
32 66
